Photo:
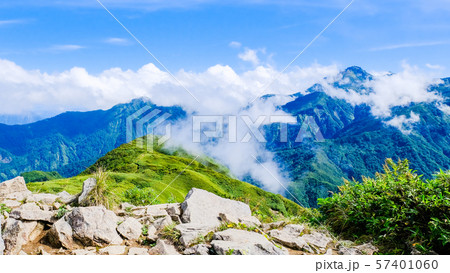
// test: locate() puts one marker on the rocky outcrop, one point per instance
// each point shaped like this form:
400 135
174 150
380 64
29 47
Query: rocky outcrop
32 212
43 198
94 226
61 235
365 249
14 189
130 229
91 226
138 251
293 236
163 247
113 250
66 198
17 233
202 207
2 243
47 224
200 249
88 186
289 236
203 212
190 232
241 242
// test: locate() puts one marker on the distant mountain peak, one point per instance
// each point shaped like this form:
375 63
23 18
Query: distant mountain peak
356 73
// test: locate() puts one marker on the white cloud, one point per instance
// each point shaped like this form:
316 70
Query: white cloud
220 89
117 41
403 123
409 45
435 66
389 90
12 22
250 55
235 44
444 108
66 47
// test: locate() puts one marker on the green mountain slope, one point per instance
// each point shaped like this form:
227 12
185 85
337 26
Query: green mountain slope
70 142
167 176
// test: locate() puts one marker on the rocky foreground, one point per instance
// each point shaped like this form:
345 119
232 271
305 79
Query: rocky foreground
204 224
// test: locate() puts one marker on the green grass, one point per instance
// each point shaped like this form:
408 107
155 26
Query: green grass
133 171
39 176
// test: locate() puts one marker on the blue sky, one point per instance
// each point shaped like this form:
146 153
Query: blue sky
193 34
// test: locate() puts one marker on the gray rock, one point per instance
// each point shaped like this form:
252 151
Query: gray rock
94 226
11 203
125 206
60 235
138 251
66 197
130 229
248 221
163 247
317 239
32 212
151 234
161 223
139 211
365 249
2 243
190 232
83 252
174 209
88 186
202 207
14 189
275 225
241 242
17 233
290 236
113 250
200 249
146 220
157 211
42 198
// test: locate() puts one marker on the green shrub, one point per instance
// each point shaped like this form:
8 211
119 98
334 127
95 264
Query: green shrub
397 209
169 232
4 208
61 212
140 197
101 195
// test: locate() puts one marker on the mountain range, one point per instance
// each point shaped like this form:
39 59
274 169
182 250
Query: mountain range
355 142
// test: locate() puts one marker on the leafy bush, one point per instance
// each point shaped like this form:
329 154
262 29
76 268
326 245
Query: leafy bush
140 197
397 209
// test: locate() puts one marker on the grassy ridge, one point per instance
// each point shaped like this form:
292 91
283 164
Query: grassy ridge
166 175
